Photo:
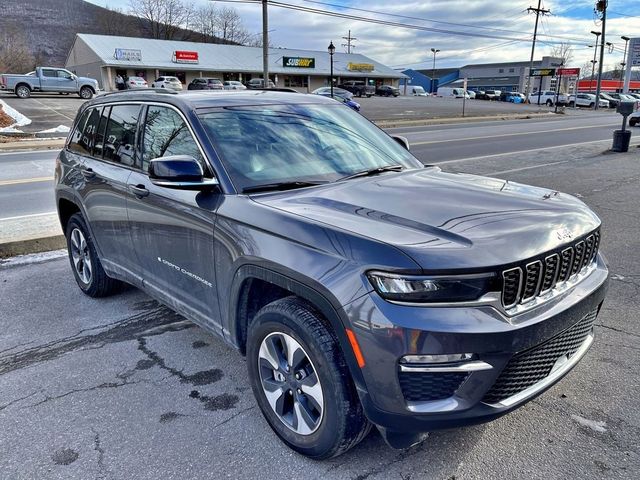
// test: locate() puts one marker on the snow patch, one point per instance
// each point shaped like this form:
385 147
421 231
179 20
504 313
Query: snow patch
58 129
32 258
10 130
19 119
594 425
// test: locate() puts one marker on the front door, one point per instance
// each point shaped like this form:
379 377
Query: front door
66 82
172 230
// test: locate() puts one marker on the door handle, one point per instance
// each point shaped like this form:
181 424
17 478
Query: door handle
88 173
139 190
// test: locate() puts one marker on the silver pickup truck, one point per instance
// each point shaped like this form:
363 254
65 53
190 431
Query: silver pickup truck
48 79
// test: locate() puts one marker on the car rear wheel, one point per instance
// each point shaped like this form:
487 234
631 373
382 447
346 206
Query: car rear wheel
592 104
633 122
549 103
86 266
301 381
86 93
22 91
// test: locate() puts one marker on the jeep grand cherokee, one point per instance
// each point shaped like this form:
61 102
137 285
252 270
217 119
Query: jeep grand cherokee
363 288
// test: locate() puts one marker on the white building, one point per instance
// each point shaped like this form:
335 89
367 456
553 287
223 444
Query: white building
103 57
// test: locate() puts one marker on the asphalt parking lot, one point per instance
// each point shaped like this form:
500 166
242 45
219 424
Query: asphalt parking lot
123 388
49 111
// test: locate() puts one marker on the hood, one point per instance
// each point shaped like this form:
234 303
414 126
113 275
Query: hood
443 220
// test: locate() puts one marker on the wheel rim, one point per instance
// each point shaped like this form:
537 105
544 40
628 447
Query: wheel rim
23 92
85 93
290 383
80 256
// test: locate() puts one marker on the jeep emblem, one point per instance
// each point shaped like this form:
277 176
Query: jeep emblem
564 234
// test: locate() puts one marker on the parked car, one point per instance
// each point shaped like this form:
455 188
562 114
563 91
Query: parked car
337 92
136 82
308 249
451 92
358 88
511 97
258 83
417 91
471 94
387 91
623 97
613 102
586 100
172 83
634 95
205 84
548 97
48 80
634 119
233 85
481 95
492 94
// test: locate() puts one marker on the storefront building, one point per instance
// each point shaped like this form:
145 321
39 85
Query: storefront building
104 57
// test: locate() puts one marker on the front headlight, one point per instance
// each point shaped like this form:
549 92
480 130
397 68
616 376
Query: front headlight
432 289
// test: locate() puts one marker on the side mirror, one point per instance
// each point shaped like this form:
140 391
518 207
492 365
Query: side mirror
401 140
179 171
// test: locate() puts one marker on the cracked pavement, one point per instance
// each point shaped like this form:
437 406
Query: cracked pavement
123 388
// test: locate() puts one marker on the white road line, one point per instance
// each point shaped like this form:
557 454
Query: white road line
52 109
467 159
29 216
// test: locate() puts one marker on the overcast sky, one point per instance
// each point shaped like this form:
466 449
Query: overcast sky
402 47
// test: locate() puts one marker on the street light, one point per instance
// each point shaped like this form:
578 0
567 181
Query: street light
332 50
624 61
433 74
593 62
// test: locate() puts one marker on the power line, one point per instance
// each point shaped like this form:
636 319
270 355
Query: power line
539 11
349 40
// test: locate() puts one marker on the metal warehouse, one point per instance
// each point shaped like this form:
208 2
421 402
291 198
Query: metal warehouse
104 57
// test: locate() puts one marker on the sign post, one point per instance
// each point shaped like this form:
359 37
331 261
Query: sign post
464 96
633 60
573 74
542 72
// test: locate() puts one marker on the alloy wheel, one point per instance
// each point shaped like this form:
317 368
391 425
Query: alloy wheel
290 383
81 256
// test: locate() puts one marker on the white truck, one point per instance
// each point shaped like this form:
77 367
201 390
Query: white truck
48 79
548 97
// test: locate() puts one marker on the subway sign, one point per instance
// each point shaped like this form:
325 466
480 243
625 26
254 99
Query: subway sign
543 72
298 62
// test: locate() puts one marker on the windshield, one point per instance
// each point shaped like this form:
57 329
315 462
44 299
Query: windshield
307 143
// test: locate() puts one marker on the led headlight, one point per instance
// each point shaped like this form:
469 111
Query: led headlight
431 289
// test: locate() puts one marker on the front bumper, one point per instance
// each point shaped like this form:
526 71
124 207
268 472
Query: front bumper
386 332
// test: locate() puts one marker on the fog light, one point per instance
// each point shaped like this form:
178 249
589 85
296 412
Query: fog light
446 358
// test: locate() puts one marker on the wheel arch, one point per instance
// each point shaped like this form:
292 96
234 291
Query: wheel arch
242 308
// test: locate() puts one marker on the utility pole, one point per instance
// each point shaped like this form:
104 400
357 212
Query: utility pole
539 11
623 64
265 45
433 74
349 39
594 61
601 6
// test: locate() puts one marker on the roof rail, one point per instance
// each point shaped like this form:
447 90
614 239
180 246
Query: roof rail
142 90
275 89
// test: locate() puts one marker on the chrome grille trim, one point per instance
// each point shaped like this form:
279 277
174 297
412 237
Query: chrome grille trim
538 278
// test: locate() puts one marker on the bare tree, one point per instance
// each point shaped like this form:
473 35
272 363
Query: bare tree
114 21
563 51
163 19
15 56
224 24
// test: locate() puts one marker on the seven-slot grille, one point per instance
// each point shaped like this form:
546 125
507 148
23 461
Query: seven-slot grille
531 366
523 283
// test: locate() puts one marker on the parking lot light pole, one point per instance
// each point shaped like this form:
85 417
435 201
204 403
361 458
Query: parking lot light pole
433 73
623 64
332 50
593 62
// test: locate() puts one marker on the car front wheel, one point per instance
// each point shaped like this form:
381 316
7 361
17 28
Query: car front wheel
301 381
86 266
86 93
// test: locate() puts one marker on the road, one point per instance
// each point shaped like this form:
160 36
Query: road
25 190
122 388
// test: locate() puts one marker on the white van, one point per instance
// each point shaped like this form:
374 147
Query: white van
452 92
416 91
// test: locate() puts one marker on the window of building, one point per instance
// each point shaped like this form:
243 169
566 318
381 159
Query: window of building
299 81
121 134
166 133
511 70
501 70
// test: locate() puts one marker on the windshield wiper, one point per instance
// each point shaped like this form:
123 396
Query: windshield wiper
374 171
280 186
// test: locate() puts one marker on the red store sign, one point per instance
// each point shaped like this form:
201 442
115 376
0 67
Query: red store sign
184 56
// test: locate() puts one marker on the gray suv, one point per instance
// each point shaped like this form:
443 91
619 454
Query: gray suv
363 287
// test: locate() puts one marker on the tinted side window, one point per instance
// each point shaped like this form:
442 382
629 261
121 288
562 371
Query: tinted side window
165 133
76 137
121 134
84 143
98 143
47 72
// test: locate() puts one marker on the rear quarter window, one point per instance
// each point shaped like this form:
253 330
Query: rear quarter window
119 144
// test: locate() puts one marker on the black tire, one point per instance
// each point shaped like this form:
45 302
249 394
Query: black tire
23 91
549 103
633 122
359 94
99 283
342 423
572 104
592 104
86 93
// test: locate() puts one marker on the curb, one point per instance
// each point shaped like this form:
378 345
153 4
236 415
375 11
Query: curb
33 245
32 144
389 123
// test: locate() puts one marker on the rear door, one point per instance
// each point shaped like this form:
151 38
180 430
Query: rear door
49 80
106 167
172 230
